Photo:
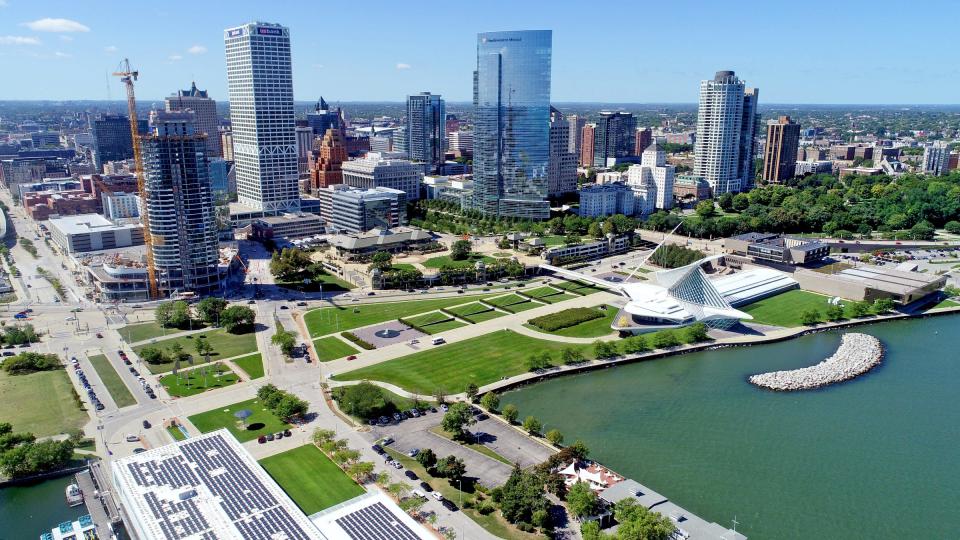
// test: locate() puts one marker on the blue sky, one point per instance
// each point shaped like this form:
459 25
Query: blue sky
603 50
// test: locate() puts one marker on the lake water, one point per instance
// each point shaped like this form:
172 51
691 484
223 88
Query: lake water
26 512
877 457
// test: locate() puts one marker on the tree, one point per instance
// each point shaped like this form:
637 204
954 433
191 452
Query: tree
579 450
634 345
604 349
590 530
490 401
555 437
952 227
571 355
451 467
360 470
538 361
809 317
24 456
705 208
290 406
456 419
531 425
636 522
741 201
286 340
153 355
882 305
596 230
381 260
472 392
346 455
237 319
922 231
203 348
460 250
697 332
726 202
665 339
834 312
427 458
510 413
364 400
412 505
292 264
398 489
177 353
522 495
321 436
860 309
173 314
210 309
581 500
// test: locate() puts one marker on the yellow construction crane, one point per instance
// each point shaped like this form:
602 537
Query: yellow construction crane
128 77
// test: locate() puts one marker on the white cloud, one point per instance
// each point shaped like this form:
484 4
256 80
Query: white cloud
55 25
61 54
19 40
175 58
197 49
110 49
401 65
66 38
3 3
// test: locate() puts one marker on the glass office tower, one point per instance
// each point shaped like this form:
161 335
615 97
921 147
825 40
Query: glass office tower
512 136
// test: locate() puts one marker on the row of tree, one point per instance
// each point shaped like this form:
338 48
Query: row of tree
21 455
236 319
282 404
31 362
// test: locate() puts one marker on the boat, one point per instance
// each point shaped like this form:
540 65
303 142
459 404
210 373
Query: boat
74 495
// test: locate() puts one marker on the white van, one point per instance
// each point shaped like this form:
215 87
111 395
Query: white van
438 341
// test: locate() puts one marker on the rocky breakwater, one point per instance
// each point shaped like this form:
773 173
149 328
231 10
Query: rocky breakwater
857 354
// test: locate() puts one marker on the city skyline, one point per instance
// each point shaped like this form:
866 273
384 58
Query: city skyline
72 49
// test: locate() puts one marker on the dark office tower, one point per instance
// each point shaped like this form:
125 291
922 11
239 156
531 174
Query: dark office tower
614 137
426 129
179 204
644 139
780 153
323 118
111 139
205 109
511 146
749 124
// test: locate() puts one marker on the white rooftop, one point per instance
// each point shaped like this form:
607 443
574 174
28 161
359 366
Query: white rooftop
371 516
87 223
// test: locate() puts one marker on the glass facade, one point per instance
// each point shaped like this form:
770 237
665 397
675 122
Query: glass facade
512 136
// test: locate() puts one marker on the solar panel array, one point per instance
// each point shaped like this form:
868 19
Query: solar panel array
375 522
236 488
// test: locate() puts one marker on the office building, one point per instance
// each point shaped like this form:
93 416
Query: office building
512 117
426 130
613 137
562 168
653 165
690 188
92 232
327 161
640 180
936 158
179 204
776 248
601 200
644 137
780 153
586 145
120 205
205 109
375 171
43 205
349 209
226 144
22 170
45 139
575 138
260 82
460 143
223 179
304 136
813 167
111 139
323 118
850 152
726 132
287 226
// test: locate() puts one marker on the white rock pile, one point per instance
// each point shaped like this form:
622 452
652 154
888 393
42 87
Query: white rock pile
857 354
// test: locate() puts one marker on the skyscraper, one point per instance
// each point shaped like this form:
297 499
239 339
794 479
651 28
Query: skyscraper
512 135
586 148
205 110
644 138
426 129
179 204
936 158
111 139
562 169
780 153
726 131
576 123
323 118
304 137
614 137
260 81
325 170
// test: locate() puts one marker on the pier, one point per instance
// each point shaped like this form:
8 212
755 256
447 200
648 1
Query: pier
857 354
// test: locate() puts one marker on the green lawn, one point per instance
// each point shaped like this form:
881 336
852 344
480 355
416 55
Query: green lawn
251 364
480 360
476 312
263 420
402 266
331 348
514 302
176 433
554 240
310 478
111 379
225 345
550 294
445 260
785 309
945 303
328 282
41 403
436 322
133 333
588 329
323 321
199 380
577 287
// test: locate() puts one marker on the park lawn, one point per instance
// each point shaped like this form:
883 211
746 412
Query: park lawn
428 318
251 364
587 329
331 348
323 321
133 333
785 309
225 345
310 478
514 302
111 379
445 260
450 368
438 430
402 266
262 420
42 403
542 292
476 312
486 315
198 380
554 240
443 326
436 322
328 282
576 287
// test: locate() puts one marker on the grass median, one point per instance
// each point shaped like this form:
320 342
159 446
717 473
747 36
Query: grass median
224 344
331 348
199 380
111 379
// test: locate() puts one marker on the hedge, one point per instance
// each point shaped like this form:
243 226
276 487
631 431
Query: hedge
565 318
350 336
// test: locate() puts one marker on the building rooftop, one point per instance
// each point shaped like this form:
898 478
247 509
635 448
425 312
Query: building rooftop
371 516
87 223
378 237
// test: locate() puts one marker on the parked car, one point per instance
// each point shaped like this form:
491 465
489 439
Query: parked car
377 448
411 475
132 438
352 357
279 435
261 439
270 436
397 417
449 505
146 424
388 440
397 465
301 304
139 450
284 307
99 335
426 487
286 433
413 452
436 495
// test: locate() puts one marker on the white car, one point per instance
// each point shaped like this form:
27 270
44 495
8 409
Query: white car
436 495
418 493
132 438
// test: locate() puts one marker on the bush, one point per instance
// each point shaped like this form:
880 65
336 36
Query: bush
697 332
531 425
282 404
153 355
351 337
510 413
31 362
237 319
604 349
363 400
571 355
565 318
665 338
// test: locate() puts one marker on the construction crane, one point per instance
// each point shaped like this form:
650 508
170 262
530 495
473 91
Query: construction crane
128 77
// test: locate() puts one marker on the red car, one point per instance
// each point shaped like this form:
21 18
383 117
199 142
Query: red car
352 357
